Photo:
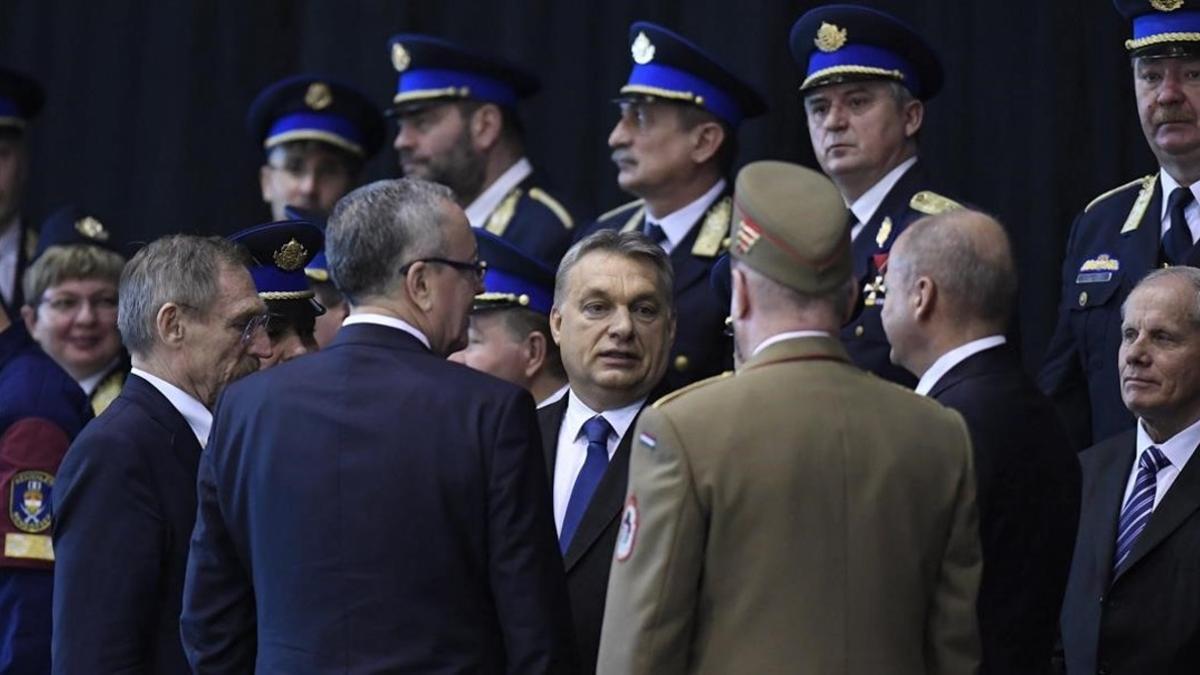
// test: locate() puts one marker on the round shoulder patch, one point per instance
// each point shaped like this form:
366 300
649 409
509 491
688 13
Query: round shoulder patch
29 500
627 534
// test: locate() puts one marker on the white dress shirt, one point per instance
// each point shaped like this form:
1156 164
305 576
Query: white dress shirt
89 383
553 398
390 322
1178 449
10 245
790 335
677 224
572 446
867 204
954 357
1191 212
481 209
194 413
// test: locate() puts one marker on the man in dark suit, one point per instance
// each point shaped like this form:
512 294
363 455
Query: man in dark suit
951 285
867 77
1132 229
373 507
456 111
674 147
1133 597
125 500
614 322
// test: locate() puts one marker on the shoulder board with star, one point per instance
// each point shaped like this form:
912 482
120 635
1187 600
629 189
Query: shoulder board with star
539 195
1120 188
498 222
713 237
691 387
620 209
931 203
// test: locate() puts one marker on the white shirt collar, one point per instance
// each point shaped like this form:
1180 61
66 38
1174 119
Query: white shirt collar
194 413
1178 449
677 224
954 357
555 397
1191 212
89 383
867 204
620 418
390 322
479 210
790 335
10 245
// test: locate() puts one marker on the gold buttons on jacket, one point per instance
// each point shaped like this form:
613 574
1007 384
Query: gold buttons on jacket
859 330
1083 299
681 363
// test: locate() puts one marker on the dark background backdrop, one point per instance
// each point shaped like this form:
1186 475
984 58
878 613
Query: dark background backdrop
146 100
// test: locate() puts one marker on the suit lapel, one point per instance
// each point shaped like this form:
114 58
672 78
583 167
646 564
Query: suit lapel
1103 516
550 420
1180 502
183 440
606 502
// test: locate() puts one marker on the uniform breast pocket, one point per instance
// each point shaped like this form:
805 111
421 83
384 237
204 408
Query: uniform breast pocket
1096 315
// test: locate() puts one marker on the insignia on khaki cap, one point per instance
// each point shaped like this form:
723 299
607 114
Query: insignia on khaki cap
792 226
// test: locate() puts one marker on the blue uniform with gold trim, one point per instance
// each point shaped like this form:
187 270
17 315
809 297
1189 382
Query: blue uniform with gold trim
534 221
1110 248
41 411
701 349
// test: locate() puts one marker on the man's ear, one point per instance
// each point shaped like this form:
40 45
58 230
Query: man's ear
739 299
417 285
706 141
264 182
914 116
925 298
486 124
169 325
556 325
535 349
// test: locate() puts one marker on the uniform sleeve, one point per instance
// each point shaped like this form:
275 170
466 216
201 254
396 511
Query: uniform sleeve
525 567
953 629
649 615
218 624
109 545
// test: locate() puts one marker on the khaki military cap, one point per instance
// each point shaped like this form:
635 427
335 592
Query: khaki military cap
790 224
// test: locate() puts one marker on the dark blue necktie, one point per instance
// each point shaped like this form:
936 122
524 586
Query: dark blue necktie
655 232
1178 240
597 430
1140 504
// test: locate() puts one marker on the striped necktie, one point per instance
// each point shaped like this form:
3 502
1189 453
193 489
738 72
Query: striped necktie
1140 504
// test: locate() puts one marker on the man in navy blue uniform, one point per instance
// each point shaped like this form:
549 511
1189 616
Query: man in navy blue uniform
456 112
373 507
674 147
21 100
867 76
1132 229
125 501
41 411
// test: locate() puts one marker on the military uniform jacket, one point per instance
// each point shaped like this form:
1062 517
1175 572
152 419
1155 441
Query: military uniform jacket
1113 244
701 349
909 199
838 536
1146 618
533 221
25 250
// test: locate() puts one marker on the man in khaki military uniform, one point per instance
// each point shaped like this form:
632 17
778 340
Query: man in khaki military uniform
800 515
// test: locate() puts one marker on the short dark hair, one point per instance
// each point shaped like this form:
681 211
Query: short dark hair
691 116
632 244
512 129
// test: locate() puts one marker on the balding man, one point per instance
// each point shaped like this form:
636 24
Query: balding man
765 536
951 284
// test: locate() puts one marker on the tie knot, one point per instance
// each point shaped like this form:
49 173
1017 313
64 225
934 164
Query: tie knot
1180 198
597 430
655 232
1153 460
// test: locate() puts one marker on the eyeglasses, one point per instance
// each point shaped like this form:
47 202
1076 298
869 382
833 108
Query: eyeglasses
70 305
478 267
253 325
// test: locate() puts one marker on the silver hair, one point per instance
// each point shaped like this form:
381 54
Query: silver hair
1189 274
181 269
777 297
634 245
380 227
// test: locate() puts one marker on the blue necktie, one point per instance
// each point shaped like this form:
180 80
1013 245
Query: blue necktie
1178 240
1140 504
597 430
655 232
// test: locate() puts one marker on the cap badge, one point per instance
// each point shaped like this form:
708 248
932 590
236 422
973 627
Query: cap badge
1166 5
400 58
91 228
290 256
748 235
830 38
318 96
642 49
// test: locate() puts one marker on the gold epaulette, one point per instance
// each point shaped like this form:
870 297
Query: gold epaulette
1119 188
931 203
609 214
497 223
714 231
108 390
691 387
539 195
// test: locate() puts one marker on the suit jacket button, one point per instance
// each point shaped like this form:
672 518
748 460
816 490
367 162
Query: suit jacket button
859 330
681 363
1083 299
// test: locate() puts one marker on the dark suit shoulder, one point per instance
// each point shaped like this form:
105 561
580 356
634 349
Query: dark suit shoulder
1095 458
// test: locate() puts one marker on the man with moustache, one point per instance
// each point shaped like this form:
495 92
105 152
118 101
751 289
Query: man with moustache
373 507
674 146
457 124
867 76
1133 596
125 498
21 99
1126 232
614 321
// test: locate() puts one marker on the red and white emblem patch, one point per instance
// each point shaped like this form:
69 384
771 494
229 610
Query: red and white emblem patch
627 534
